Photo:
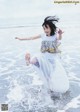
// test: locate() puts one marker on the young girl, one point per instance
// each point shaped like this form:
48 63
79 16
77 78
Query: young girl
47 62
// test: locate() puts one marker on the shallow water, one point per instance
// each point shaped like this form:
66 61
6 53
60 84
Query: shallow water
20 85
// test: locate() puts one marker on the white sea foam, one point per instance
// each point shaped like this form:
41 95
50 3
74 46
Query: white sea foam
24 89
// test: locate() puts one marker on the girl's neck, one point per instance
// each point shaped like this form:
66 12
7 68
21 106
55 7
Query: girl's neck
48 35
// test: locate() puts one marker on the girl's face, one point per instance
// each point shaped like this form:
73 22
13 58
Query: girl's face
47 30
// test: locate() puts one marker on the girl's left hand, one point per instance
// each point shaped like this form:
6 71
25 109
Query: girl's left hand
60 32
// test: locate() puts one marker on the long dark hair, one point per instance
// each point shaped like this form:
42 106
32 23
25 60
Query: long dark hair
51 20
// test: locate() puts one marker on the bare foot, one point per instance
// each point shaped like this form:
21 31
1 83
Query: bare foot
27 58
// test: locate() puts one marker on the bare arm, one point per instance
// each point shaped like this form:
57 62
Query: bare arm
59 37
29 38
59 34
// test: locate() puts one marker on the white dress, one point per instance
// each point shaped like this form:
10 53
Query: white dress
50 68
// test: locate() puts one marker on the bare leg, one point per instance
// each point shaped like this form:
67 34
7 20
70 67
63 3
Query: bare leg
28 57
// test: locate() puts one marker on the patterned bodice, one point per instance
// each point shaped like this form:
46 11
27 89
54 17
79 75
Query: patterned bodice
49 46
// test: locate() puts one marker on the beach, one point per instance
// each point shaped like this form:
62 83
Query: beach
20 85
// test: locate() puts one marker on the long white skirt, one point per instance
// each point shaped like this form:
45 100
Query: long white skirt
51 72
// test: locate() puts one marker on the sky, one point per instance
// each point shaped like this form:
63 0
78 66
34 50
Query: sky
22 8
34 8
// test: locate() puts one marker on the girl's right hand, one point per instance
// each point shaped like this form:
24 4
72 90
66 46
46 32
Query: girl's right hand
17 38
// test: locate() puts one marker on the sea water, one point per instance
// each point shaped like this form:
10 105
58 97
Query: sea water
20 85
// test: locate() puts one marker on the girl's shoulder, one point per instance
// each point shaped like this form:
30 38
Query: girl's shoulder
42 35
51 38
